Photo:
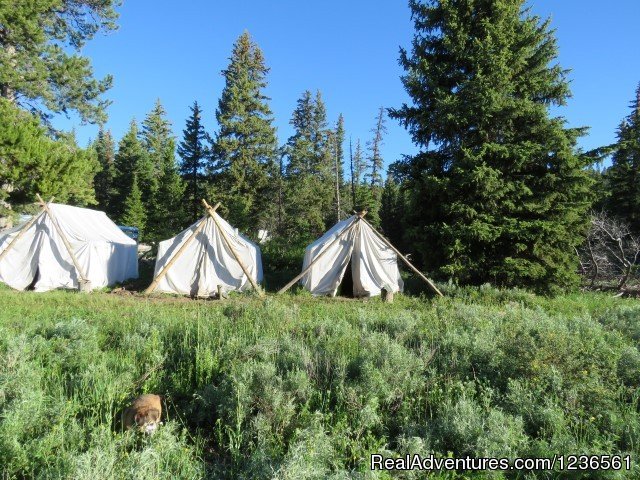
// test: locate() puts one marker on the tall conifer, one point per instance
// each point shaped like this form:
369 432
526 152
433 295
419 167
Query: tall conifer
310 183
130 160
103 183
163 200
499 194
244 153
194 151
623 177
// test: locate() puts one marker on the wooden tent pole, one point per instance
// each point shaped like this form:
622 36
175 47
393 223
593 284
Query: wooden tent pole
83 278
304 272
210 211
405 260
176 255
22 231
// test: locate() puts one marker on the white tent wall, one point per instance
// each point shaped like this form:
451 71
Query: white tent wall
20 264
105 254
374 264
207 261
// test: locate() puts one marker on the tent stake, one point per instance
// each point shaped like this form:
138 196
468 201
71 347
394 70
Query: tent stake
22 231
176 255
405 260
210 211
83 281
304 272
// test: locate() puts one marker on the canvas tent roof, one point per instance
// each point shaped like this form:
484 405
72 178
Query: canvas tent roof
103 253
203 256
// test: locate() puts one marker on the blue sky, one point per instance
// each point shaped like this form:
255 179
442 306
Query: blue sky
348 50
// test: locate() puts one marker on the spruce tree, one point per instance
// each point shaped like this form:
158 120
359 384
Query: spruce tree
375 164
361 191
32 162
194 151
338 169
623 177
310 182
162 198
103 183
131 160
244 152
134 214
498 192
392 211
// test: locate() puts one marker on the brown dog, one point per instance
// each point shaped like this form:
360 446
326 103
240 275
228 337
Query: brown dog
144 413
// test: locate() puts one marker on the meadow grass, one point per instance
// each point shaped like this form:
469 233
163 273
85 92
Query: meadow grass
296 387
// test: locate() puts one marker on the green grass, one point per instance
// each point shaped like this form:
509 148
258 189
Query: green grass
297 387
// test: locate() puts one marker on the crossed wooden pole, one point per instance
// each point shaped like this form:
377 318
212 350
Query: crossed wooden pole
210 213
358 218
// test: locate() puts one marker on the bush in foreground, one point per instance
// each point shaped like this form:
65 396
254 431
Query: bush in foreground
297 387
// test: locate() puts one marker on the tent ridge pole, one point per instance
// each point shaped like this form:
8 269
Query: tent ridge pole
405 260
326 249
211 211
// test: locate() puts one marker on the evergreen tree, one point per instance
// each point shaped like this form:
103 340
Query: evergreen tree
338 169
362 198
499 194
163 193
194 151
375 165
309 179
40 65
244 153
134 213
168 213
130 160
391 211
623 177
103 182
32 162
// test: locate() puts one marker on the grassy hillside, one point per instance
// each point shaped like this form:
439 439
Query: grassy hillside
295 387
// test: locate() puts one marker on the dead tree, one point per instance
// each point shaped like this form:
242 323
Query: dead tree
610 252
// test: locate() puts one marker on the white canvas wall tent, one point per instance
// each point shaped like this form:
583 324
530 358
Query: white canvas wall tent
374 261
208 255
66 247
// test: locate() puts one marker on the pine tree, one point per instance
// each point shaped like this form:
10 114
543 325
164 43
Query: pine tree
163 195
32 162
130 160
375 165
309 179
361 191
40 65
103 182
498 192
623 177
338 170
134 213
391 211
169 214
194 151
244 153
